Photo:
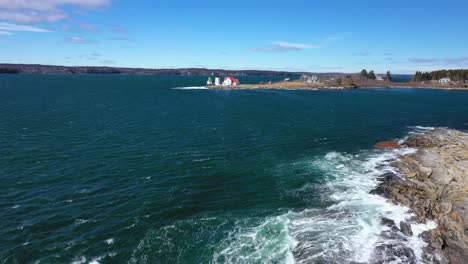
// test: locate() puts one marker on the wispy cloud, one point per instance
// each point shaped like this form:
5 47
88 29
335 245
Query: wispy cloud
448 61
117 29
89 28
79 40
422 60
362 53
334 37
280 47
35 11
121 38
8 28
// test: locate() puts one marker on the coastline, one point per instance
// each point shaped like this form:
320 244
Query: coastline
303 86
433 183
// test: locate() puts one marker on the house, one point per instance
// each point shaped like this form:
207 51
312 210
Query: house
445 80
287 79
310 79
209 82
379 78
228 81
217 81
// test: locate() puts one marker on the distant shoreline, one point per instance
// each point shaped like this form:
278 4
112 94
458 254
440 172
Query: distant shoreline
306 87
7 68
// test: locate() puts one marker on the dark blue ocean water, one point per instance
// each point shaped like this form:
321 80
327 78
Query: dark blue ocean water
124 169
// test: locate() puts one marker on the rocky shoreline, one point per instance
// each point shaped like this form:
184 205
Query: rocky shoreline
433 183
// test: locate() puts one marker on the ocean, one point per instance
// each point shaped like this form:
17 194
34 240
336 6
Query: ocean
127 169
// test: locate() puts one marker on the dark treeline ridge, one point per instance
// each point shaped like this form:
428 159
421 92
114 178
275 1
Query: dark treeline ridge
454 75
52 69
9 70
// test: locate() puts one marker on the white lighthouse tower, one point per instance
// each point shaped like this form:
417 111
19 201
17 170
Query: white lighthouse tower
209 82
217 81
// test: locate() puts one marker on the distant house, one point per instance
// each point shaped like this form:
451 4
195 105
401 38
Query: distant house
379 78
445 80
310 79
228 81
287 79
209 82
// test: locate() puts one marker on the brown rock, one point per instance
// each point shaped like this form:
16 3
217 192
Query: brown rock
388 145
434 184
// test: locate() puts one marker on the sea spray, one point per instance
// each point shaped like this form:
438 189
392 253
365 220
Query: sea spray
348 231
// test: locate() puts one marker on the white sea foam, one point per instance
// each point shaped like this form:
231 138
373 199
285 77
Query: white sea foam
191 88
347 231
110 241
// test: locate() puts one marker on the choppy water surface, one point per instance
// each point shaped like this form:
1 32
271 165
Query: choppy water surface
125 169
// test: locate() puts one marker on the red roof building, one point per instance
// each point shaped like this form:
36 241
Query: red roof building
230 81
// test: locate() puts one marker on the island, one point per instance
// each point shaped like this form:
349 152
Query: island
442 79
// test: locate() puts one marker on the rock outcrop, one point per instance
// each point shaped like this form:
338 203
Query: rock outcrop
434 184
388 145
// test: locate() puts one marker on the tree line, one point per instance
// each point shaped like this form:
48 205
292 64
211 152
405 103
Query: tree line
454 75
371 75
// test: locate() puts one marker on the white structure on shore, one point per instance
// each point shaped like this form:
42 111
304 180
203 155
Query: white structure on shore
209 82
217 81
314 79
228 81
445 80
379 77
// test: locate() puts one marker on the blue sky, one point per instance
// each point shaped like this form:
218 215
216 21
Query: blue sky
294 35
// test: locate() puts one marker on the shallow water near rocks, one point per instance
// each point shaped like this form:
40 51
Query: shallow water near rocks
125 169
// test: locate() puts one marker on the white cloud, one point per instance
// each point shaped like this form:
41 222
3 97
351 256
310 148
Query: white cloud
362 53
7 28
78 40
284 47
36 11
48 5
445 61
293 46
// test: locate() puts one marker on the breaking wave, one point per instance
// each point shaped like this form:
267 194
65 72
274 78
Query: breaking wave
348 231
190 88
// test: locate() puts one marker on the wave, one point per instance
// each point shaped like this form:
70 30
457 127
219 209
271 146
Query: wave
350 230
190 88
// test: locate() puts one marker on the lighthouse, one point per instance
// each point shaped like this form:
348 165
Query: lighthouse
209 82
217 81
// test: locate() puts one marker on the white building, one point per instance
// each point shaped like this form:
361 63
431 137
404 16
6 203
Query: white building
217 81
228 81
312 79
209 82
379 78
445 80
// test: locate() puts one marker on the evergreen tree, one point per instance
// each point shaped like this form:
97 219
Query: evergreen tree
364 74
389 76
371 75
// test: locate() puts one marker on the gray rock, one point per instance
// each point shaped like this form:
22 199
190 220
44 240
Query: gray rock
434 184
406 228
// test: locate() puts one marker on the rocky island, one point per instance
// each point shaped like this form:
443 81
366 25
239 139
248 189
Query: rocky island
433 183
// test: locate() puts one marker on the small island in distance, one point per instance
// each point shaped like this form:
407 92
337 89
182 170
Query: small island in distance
442 79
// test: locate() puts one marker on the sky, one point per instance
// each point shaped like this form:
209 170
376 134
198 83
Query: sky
295 35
